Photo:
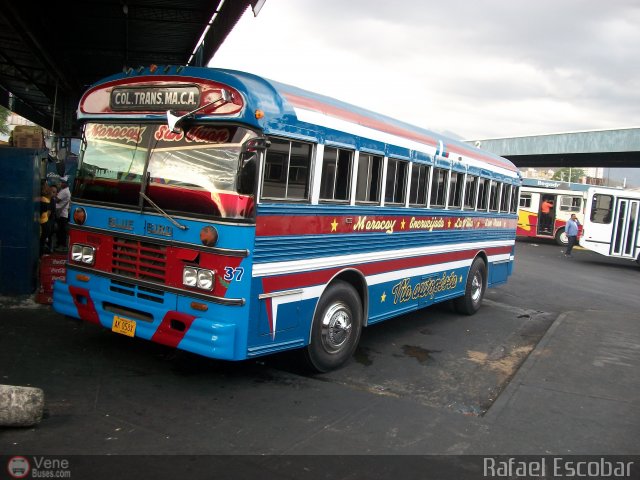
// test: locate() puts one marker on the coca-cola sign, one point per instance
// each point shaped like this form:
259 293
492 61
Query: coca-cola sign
155 98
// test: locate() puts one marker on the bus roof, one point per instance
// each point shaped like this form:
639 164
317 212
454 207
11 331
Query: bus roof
555 184
286 105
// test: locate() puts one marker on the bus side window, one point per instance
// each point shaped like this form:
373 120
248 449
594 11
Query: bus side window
456 182
525 200
396 181
419 184
470 191
438 187
335 182
504 197
286 170
601 208
515 191
483 194
493 196
369 178
570 203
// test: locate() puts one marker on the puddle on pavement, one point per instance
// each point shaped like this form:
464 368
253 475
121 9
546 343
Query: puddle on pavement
421 354
362 355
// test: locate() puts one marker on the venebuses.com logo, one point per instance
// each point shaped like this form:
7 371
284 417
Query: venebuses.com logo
18 467
38 467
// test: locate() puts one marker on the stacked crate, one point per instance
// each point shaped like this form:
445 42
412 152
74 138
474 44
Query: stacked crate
25 136
52 268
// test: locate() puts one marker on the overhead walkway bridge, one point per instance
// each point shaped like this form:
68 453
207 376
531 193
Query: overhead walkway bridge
618 148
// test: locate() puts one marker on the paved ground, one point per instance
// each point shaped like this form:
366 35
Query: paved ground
548 366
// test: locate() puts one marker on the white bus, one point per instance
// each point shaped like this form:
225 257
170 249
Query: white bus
611 223
565 199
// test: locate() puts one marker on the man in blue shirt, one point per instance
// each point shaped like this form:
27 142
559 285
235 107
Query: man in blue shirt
571 229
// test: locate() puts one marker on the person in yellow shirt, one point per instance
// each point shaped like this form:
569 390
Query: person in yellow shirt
45 212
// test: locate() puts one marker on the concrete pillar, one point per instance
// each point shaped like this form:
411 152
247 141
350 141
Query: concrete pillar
20 406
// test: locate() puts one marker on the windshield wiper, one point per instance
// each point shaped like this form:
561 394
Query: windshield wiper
163 213
173 119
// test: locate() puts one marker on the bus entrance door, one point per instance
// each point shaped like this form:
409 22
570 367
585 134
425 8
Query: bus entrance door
546 215
625 230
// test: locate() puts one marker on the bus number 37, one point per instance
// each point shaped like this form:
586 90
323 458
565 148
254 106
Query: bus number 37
231 273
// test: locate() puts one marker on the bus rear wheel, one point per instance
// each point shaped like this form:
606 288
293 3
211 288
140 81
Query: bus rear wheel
561 238
336 328
474 289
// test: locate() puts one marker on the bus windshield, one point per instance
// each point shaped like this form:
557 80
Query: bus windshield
194 171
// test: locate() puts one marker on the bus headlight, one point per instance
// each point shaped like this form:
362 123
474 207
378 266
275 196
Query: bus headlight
198 277
189 276
205 279
83 254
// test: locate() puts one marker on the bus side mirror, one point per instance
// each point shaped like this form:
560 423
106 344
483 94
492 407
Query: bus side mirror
248 160
255 144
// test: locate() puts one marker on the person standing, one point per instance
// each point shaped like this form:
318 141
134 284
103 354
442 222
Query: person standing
53 189
545 210
63 201
45 211
571 229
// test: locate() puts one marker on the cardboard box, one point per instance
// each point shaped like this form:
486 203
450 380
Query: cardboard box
25 136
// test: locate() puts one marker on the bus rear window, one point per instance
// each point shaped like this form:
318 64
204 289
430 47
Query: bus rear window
601 208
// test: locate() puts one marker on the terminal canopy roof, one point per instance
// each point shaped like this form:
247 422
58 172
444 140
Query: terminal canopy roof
50 52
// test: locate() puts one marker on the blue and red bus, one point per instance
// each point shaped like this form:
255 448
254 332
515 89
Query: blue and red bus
232 216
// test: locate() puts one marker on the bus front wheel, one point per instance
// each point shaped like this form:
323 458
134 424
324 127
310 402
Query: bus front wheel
474 290
336 328
561 238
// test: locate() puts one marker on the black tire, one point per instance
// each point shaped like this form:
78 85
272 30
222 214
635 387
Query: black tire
561 238
336 328
474 289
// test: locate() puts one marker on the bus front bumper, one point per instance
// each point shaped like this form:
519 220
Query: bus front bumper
186 329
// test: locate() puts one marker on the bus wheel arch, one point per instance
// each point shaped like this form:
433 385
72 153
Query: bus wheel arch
337 323
475 286
561 237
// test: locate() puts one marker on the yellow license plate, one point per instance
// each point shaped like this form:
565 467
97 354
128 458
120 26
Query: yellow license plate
124 326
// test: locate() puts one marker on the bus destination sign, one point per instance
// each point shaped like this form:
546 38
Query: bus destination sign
155 98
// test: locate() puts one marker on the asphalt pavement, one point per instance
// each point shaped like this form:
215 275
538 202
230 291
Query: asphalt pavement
576 393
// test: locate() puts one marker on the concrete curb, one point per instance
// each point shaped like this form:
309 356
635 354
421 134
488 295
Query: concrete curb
519 378
20 406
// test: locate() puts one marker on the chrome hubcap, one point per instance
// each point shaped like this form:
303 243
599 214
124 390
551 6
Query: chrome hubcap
476 287
336 327
564 238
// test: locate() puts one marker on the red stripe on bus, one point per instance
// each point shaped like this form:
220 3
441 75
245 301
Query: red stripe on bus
274 225
84 304
353 117
172 335
319 277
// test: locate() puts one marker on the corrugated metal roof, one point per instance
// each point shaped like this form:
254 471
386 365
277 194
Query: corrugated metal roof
51 52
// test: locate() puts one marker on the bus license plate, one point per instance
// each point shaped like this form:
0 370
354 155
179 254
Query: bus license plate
124 326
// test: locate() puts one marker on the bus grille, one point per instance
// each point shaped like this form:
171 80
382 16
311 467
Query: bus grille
141 260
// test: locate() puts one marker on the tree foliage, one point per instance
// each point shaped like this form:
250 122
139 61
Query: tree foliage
569 174
4 115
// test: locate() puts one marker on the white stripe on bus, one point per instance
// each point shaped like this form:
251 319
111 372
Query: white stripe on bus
311 264
327 121
315 291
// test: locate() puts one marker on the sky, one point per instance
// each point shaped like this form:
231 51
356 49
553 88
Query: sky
471 69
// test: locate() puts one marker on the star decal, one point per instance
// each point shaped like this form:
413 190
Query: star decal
334 225
460 278
383 297
449 224
402 224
